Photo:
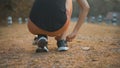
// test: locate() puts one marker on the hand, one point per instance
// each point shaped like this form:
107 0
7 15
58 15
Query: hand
71 37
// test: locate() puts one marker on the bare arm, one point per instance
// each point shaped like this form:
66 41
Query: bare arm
84 6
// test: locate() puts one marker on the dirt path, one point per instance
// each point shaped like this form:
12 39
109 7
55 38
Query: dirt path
17 51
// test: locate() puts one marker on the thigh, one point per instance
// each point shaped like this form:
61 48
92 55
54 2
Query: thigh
36 30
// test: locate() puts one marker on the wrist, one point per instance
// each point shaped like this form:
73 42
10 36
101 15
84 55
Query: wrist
75 32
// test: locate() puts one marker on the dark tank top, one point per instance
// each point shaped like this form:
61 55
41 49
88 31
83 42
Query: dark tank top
49 15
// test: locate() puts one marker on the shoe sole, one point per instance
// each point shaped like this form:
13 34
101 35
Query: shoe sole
63 48
39 50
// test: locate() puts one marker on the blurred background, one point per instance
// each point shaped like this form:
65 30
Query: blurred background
101 10
96 45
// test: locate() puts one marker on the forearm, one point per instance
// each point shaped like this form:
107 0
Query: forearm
82 15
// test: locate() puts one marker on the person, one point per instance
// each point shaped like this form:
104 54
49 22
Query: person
52 18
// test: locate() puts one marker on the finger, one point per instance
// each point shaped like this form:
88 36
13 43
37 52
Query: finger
67 37
69 40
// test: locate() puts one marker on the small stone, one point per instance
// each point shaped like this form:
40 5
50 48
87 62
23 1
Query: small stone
94 60
85 48
116 50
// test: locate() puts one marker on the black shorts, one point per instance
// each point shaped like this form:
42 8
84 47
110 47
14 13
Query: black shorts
49 15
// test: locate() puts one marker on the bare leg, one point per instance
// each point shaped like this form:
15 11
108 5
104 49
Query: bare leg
62 36
69 13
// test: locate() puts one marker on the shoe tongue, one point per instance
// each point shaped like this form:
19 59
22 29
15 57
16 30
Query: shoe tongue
62 43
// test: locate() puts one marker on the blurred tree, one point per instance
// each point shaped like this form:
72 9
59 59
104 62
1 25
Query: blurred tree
21 8
14 8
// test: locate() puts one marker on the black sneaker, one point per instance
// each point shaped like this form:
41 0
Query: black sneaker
42 45
62 45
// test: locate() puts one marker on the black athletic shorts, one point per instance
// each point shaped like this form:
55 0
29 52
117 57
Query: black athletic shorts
49 15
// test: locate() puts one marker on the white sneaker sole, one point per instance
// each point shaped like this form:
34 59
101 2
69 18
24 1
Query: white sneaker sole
46 49
63 48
